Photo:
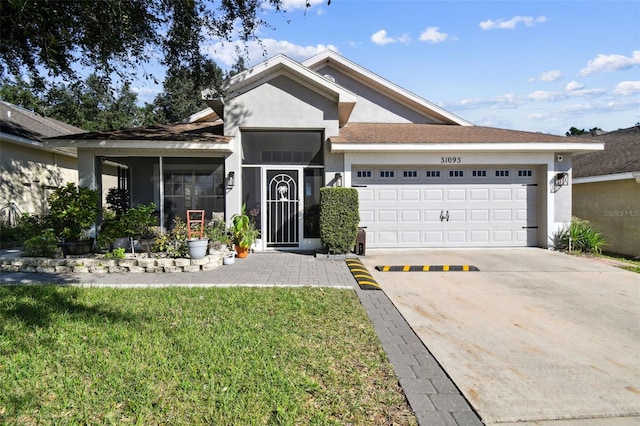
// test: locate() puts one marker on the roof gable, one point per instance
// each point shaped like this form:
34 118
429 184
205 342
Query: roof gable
272 68
331 59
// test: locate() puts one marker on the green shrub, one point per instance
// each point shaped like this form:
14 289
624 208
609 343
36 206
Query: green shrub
115 254
174 242
217 233
72 210
579 236
42 245
28 226
339 219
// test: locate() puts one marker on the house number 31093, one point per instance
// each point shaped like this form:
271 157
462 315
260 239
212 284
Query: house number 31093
450 160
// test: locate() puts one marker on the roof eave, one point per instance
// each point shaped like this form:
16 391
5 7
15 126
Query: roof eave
607 178
140 144
337 147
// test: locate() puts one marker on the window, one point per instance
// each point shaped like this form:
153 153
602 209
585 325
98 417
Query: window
502 173
525 173
387 174
479 173
433 173
456 173
410 174
363 174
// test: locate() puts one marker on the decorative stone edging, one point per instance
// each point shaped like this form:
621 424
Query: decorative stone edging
104 266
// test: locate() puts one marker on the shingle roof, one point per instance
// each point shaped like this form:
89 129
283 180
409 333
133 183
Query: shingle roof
409 133
201 131
621 154
26 124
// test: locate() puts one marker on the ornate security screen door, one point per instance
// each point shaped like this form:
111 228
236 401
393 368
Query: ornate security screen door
283 208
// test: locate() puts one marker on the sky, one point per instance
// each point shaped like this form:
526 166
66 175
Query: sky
541 66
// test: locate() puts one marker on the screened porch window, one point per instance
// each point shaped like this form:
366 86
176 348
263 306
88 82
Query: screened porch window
192 187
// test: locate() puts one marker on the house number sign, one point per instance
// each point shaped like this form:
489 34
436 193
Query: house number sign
450 160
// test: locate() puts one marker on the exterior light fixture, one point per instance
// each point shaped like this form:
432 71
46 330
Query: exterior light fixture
231 179
561 179
338 179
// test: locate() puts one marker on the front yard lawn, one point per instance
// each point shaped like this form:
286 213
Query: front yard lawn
222 356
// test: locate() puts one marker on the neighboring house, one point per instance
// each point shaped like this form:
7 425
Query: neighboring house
281 130
28 170
606 189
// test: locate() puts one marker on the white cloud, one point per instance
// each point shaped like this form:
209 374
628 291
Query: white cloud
552 75
433 35
380 38
578 108
512 23
611 63
573 85
225 53
627 88
299 4
543 95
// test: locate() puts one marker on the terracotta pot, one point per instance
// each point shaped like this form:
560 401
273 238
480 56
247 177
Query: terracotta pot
242 252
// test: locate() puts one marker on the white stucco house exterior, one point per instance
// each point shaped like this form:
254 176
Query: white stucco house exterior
279 131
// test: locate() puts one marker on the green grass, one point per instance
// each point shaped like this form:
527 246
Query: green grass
221 356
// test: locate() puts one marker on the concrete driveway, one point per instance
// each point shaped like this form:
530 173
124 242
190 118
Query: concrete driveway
535 336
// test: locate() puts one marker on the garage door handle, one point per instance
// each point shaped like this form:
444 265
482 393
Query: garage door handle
529 227
443 216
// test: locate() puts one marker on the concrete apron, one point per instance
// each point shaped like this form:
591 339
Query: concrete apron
535 336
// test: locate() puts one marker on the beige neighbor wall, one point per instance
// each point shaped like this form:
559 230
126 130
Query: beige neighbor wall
28 175
613 208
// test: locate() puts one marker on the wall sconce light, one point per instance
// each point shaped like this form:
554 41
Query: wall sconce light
338 179
561 179
231 179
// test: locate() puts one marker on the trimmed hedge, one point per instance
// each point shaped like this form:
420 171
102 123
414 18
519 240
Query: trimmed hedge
339 219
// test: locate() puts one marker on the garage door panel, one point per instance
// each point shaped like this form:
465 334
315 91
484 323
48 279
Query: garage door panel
410 216
435 237
456 216
366 194
433 194
410 194
456 236
390 216
367 216
386 194
479 194
476 215
501 194
410 238
502 236
479 236
387 238
502 215
432 215
456 194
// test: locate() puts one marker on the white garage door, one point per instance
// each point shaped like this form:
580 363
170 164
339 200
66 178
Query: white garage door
447 207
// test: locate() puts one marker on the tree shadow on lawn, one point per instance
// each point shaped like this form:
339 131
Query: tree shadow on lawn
38 305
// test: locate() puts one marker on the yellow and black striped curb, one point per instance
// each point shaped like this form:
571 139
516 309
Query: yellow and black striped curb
427 268
362 275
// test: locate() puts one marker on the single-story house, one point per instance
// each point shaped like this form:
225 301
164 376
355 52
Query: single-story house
30 171
606 189
279 131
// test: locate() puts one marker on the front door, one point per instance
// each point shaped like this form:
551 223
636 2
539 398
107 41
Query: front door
283 208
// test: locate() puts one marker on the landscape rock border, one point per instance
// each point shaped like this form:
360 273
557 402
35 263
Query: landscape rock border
130 264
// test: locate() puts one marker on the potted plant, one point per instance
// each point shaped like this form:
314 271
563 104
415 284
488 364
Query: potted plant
72 212
244 232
